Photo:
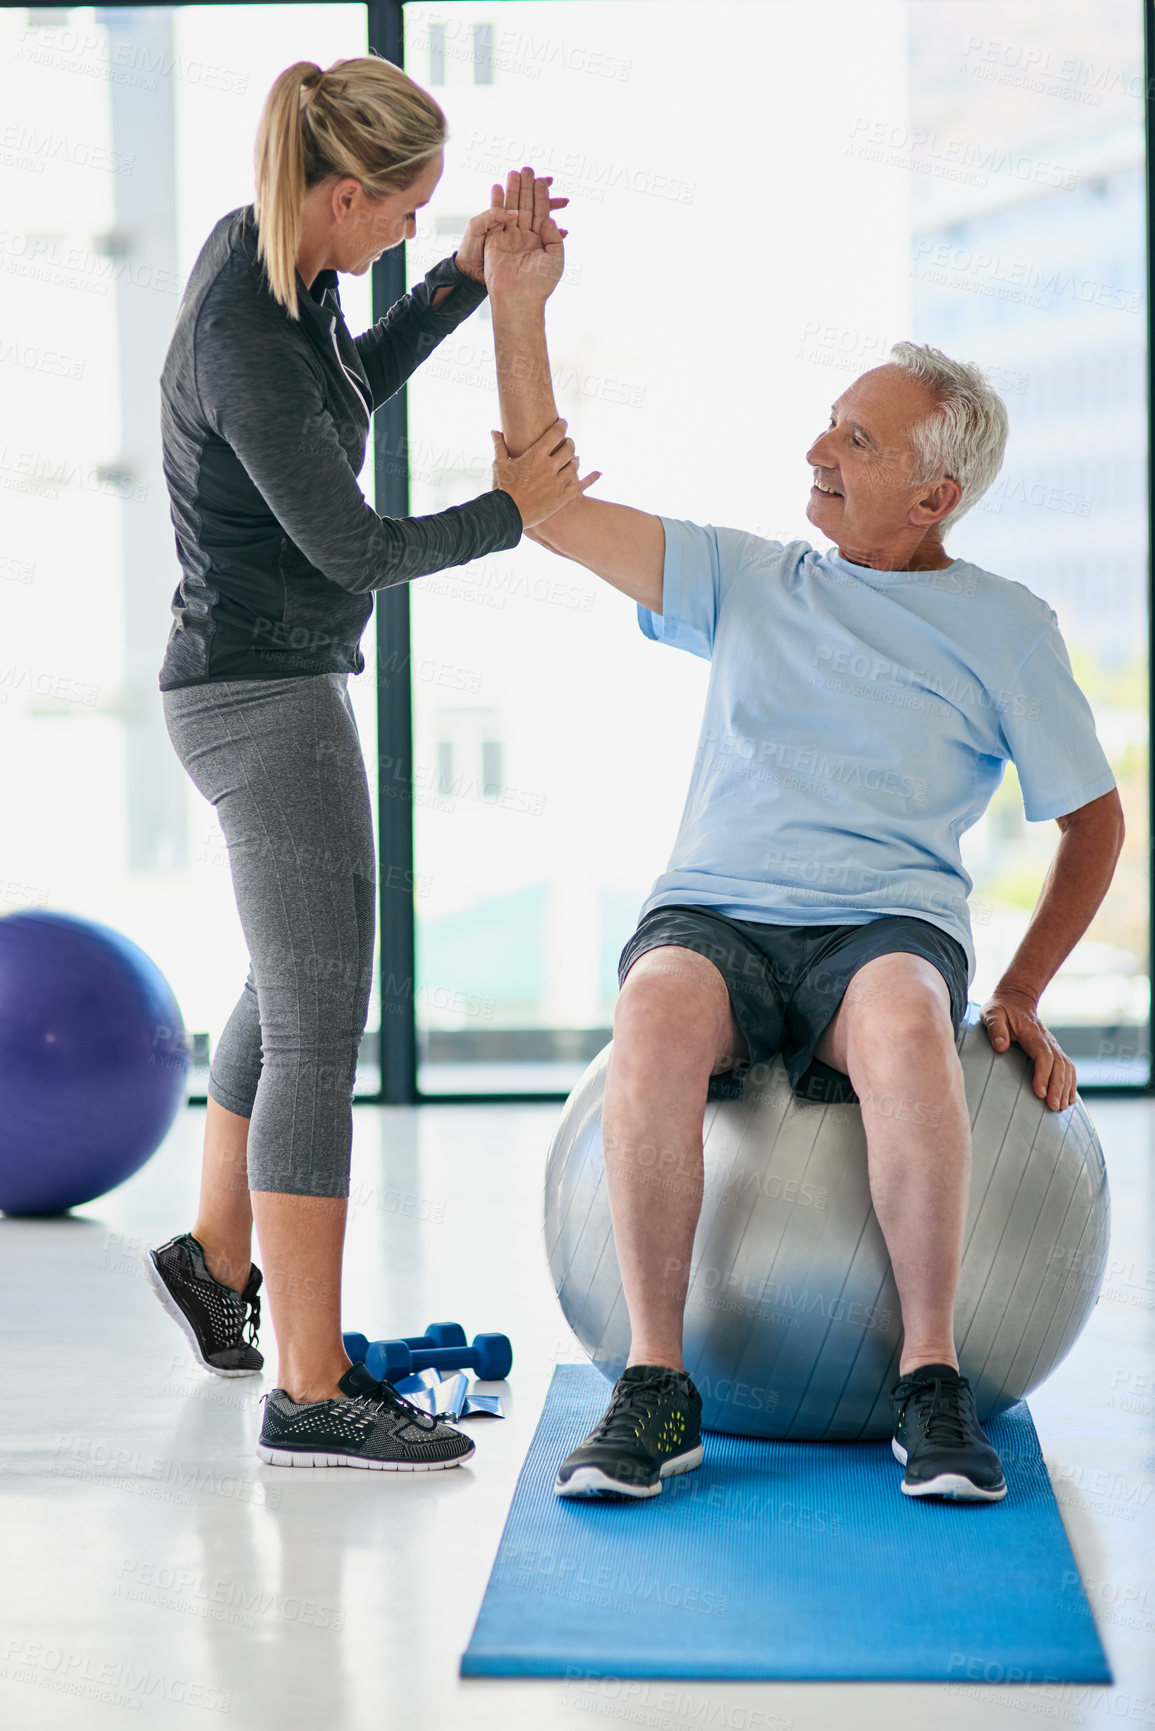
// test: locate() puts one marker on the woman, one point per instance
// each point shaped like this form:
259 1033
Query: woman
266 403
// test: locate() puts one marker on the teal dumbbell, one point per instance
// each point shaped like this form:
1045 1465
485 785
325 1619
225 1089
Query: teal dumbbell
438 1334
490 1357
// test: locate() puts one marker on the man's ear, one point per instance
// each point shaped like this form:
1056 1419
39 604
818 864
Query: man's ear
936 503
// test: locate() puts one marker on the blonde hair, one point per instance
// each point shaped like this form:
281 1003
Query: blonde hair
364 118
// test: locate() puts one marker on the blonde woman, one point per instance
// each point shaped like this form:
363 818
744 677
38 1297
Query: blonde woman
266 406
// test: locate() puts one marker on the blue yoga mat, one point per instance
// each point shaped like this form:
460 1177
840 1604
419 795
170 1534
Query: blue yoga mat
783 1560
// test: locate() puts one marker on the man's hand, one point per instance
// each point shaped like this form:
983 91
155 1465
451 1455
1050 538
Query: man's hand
1009 1015
545 479
524 259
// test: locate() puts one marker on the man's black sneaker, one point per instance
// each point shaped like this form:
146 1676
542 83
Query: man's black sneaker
219 1324
938 1438
650 1431
373 1426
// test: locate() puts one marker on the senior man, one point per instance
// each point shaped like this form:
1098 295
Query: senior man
862 706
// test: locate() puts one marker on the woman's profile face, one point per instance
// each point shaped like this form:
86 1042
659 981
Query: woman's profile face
367 227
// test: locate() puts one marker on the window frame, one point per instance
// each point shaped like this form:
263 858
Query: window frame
396 982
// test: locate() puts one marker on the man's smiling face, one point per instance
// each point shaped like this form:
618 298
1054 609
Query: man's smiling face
862 496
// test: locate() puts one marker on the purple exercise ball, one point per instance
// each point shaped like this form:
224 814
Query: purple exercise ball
93 1060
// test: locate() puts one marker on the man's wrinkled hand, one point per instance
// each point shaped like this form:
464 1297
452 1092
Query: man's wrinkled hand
525 257
1014 1016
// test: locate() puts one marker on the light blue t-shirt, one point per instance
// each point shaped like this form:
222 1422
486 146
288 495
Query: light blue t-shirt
857 723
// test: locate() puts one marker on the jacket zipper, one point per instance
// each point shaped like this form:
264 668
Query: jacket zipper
352 378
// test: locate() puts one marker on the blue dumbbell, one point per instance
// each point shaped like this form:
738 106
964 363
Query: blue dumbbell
490 1357
438 1334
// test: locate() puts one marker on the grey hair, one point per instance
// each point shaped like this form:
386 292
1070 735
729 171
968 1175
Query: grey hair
965 436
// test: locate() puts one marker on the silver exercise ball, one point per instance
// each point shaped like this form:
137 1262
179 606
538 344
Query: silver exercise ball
792 1320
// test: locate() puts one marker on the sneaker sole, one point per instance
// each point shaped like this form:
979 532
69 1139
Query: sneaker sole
593 1482
157 1281
951 1485
301 1458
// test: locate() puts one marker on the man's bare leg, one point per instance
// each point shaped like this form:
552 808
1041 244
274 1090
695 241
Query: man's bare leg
673 1029
892 1035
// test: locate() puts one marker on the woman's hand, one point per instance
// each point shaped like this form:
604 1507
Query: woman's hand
524 259
545 479
468 257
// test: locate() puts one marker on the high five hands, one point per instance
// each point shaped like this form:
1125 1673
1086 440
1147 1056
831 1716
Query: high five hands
515 247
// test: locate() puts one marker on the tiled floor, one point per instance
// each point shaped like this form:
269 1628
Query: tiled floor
156 1573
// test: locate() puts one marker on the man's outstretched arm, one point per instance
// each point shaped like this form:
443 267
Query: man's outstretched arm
1078 879
522 266
626 547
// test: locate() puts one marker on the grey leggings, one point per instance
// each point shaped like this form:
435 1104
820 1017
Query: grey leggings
281 762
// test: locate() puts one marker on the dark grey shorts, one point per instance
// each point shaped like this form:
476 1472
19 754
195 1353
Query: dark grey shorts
786 982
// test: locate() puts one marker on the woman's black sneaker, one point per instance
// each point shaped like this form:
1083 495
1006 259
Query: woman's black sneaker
373 1426
938 1438
219 1324
651 1430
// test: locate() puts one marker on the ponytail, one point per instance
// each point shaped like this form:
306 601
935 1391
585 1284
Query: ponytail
364 118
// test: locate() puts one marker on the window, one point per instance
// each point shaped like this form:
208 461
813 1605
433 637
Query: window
112 185
977 183
483 53
437 54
